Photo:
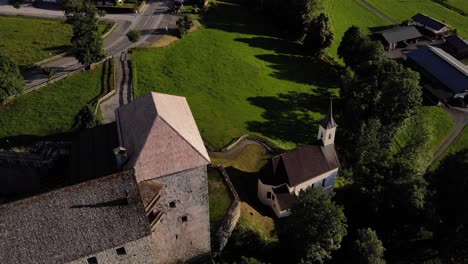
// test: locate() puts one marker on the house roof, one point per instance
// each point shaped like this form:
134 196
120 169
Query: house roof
160 135
73 222
285 199
456 42
442 66
428 21
300 165
328 122
398 34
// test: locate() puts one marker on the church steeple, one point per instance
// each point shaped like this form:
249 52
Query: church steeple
327 127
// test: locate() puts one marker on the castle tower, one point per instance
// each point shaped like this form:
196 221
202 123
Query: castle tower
327 128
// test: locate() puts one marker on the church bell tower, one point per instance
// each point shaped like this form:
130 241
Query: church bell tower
327 128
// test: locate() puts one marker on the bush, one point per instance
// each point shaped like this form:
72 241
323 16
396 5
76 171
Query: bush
134 35
183 25
102 13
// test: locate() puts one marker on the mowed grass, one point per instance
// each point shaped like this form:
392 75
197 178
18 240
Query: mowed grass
240 78
402 10
344 14
434 120
459 144
30 40
250 158
462 5
220 198
51 109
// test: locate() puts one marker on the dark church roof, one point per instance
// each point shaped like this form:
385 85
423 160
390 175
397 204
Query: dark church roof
285 199
442 66
398 34
428 21
456 42
300 165
73 222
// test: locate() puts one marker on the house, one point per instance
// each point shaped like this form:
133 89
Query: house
457 46
152 207
285 175
430 26
441 69
399 36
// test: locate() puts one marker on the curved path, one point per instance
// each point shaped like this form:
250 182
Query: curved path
378 12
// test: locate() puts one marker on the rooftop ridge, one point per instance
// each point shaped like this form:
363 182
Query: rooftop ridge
449 59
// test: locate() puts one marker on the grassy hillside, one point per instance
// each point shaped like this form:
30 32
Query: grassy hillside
239 77
459 144
401 10
29 40
344 14
51 109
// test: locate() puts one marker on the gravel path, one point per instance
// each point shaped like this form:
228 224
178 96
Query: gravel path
375 10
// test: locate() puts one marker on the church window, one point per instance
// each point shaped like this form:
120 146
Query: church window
121 251
172 205
268 195
184 218
323 183
273 197
329 136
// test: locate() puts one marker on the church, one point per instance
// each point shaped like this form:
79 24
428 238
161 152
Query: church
285 175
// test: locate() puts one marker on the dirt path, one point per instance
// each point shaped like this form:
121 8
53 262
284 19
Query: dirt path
461 119
229 154
376 11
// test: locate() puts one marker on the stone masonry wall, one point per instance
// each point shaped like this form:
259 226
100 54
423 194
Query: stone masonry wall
184 231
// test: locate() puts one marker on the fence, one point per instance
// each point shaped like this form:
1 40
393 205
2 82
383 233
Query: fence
113 87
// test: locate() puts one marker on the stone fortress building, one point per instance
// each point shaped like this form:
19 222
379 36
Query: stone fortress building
138 193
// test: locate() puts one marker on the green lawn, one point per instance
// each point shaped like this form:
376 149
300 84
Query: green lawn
220 198
29 40
462 5
240 78
344 14
459 144
250 159
51 109
401 10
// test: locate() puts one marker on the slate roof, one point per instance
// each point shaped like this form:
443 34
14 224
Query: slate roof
428 21
73 222
300 165
456 42
285 199
442 66
398 34
160 135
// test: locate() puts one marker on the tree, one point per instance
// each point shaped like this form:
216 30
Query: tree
11 81
72 8
86 118
449 183
368 248
86 39
184 25
296 15
134 35
356 48
319 35
49 72
315 227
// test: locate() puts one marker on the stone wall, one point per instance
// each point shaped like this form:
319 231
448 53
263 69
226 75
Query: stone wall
138 251
184 231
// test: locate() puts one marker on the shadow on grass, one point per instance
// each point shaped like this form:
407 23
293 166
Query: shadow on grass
9 142
288 116
61 48
276 44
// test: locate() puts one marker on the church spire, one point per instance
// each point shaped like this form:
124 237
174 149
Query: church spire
327 127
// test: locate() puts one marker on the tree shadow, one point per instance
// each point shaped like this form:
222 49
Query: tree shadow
275 44
59 48
288 117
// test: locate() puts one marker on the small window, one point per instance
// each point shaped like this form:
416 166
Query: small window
172 205
268 195
121 251
323 182
176 237
321 135
184 218
273 197
329 136
92 260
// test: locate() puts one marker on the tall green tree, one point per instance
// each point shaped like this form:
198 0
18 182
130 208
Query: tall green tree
356 48
315 227
11 81
296 15
86 39
319 35
72 9
368 248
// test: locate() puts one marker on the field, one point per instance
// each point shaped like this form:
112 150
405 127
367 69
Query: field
239 77
460 143
461 5
344 14
51 109
29 40
220 198
402 10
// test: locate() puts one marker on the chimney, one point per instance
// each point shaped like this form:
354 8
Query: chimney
120 157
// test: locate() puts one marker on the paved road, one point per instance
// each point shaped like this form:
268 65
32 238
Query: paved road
378 12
